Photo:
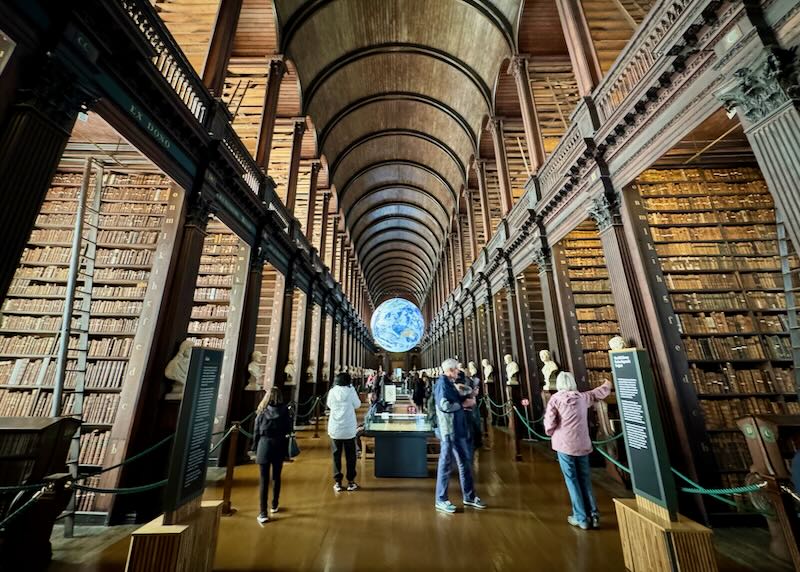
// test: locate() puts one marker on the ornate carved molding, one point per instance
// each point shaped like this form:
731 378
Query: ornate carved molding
763 87
542 258
605 212
198 210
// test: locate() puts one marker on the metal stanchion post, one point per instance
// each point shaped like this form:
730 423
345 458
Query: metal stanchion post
227 509
316 419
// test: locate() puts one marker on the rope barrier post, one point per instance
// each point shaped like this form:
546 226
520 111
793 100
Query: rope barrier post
512 422
316 419
227 509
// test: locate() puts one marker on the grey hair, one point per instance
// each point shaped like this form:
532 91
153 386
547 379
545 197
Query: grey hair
449 363
566 382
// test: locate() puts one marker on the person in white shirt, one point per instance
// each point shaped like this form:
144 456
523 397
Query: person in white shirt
343 402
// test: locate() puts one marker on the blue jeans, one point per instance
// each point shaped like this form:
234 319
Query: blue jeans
458 449
579 484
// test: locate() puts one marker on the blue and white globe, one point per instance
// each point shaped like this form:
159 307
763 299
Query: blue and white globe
397 325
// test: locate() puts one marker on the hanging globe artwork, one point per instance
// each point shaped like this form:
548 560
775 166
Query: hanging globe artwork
397 325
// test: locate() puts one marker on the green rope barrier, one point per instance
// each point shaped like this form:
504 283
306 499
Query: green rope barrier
22 508
492 402
697 486
613 461
121 491
730 491
531 429
136 456
609 440
245 433
17 488
221 441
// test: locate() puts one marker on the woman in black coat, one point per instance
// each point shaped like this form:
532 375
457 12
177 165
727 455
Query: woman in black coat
271 444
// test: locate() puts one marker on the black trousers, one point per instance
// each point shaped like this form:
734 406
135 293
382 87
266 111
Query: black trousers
263 488
349 447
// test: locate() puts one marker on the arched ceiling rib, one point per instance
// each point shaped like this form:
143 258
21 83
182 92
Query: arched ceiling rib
398 90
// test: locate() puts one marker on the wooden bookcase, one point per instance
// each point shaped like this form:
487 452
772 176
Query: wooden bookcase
727 269
268 324
217 310
136 234
587 303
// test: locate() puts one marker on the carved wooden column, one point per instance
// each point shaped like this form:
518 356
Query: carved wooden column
451 261
501 159
334 243
221 46
582 54
462 337
555 335
266 132
294 163
761 95
32 141
311 211
480 171
473 237
530 119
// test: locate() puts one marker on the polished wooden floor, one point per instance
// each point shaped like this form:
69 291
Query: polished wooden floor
391 524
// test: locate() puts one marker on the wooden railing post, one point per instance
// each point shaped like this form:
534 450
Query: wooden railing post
227 509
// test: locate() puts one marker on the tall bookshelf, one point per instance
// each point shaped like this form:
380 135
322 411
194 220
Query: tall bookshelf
268 325
718 244
585 291
217 309
136 226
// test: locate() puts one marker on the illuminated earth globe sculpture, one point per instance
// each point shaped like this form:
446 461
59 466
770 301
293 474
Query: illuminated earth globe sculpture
397 325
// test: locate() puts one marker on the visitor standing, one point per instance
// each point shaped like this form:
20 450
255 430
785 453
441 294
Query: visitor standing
419 393
271 444
565 420
343 401
453 434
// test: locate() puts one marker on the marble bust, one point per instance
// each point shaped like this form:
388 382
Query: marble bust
325 374
177 369
310 371
488 371
617 343
255 371
549 369
472 368
289 371
512 370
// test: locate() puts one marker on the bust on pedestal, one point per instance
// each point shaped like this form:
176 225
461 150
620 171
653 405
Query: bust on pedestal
472 368
310 370
177 369
488 371
548 370
512 370
254 369
289 371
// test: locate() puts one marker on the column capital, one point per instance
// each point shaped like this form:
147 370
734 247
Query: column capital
198 210
542 258
494 125
605 212
763 87
316 165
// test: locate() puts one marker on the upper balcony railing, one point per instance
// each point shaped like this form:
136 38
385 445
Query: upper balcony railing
169 60
639 56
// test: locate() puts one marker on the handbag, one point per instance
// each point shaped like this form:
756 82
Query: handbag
294 448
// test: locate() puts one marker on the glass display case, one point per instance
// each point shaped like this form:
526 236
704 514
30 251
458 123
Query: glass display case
401 443
398 422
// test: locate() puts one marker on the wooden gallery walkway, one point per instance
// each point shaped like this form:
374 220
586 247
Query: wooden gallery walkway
391 525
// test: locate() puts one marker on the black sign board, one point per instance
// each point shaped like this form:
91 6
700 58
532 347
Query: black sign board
641 424
189 458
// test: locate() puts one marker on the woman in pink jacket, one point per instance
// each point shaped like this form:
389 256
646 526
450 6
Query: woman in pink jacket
565 420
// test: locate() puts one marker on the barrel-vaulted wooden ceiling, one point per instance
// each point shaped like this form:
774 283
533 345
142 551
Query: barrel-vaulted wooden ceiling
398 91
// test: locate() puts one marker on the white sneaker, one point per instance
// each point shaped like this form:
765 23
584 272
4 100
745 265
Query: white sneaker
352 487
262 518
337 488
274 509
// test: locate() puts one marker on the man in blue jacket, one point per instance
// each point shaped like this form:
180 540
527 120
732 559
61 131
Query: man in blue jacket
454 435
